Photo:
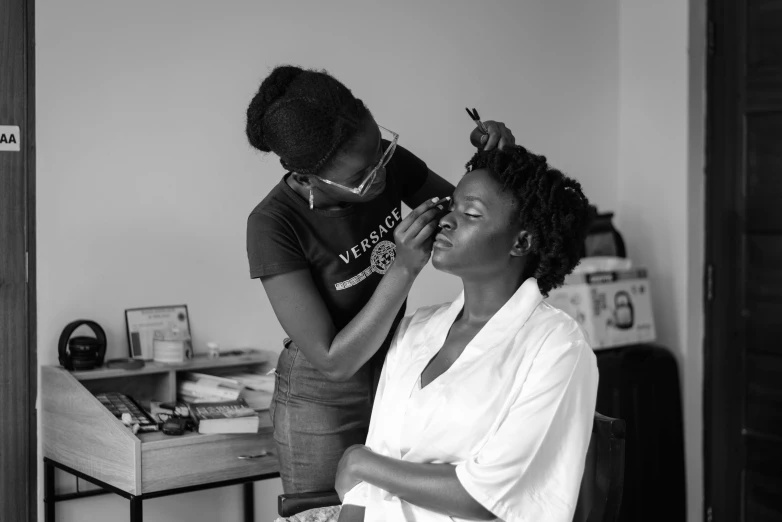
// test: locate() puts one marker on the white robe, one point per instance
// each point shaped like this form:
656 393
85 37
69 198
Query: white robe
513 413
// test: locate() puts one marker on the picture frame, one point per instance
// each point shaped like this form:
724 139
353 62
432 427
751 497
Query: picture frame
142 323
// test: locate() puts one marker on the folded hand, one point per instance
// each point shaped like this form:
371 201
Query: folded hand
346 469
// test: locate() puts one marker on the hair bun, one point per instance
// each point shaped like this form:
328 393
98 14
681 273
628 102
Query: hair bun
272 89
278 81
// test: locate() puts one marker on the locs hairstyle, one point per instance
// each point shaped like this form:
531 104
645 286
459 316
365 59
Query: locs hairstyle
551 207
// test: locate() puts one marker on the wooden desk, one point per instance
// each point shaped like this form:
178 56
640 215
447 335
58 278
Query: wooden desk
81 437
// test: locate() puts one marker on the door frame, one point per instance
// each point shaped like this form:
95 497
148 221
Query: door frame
723 394
32 255
23 13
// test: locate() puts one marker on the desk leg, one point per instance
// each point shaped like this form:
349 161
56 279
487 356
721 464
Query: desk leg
136 510
48 491
249 502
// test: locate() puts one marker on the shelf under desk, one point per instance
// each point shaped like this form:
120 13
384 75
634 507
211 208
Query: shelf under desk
80 434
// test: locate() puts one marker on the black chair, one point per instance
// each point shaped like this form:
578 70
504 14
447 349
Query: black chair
601 486
600 495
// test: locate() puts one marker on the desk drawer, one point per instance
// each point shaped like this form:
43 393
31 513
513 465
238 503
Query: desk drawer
197 459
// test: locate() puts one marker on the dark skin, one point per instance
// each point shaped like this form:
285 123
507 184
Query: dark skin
482 242
339 354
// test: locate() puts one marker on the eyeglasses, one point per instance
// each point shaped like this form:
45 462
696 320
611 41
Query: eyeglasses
360 190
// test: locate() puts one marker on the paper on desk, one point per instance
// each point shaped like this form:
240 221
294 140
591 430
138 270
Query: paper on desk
253 381
588 265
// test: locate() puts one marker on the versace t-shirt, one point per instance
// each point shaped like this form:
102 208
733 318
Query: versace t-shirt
347 250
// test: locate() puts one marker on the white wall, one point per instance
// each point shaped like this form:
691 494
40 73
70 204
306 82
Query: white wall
145 178
660 198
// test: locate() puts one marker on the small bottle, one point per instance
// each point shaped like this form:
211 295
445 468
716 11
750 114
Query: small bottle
214 350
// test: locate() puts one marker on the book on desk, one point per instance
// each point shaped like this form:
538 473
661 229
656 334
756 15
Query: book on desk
233 416
78 431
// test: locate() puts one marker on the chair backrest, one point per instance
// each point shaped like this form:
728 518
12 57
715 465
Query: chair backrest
601 486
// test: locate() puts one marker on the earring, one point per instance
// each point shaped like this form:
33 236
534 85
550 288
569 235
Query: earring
312 200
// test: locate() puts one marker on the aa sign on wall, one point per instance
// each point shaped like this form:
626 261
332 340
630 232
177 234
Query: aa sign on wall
9 138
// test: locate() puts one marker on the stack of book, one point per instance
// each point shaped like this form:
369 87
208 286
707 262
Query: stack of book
196 387
257 389
226 403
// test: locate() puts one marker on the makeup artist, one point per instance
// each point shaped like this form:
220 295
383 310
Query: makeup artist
335 258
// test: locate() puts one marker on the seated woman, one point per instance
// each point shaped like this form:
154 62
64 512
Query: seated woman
485 405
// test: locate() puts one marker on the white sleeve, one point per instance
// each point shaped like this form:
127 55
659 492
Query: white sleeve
390 363
357 496
531 467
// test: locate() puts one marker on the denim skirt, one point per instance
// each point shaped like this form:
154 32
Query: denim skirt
315 420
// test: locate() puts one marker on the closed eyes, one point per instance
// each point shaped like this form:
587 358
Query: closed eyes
452 208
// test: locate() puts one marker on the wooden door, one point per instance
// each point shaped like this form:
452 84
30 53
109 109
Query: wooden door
18 488
743 350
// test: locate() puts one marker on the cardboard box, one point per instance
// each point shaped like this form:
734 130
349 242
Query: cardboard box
614 308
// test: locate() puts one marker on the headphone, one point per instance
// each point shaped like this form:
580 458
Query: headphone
82 353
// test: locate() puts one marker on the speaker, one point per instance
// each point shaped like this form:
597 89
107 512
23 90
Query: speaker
82 352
